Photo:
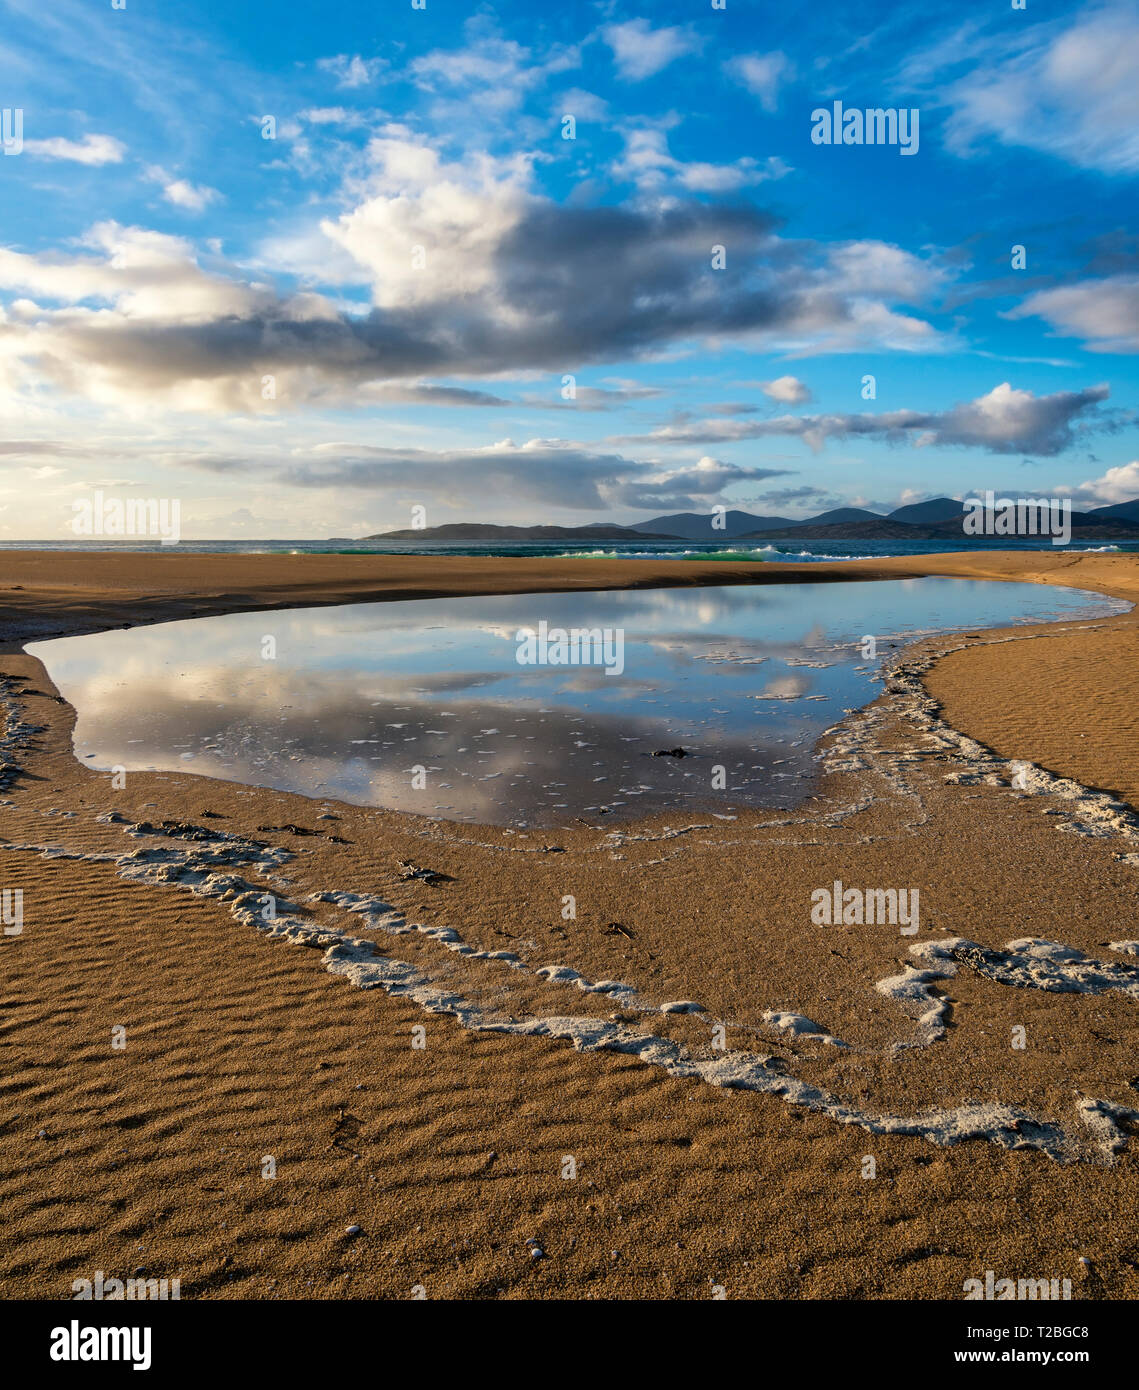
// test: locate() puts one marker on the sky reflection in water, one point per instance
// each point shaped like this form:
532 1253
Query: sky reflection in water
359 697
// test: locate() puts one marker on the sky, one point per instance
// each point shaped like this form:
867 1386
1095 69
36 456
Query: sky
307 268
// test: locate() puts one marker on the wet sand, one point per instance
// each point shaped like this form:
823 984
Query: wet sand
246 1039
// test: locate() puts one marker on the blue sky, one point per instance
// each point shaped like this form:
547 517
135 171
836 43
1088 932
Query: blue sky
378 307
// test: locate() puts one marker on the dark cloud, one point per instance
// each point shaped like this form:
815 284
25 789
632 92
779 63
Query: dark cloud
1005 421
541 472
558 287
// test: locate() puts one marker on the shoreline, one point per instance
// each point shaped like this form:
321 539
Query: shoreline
89 591
45 594
459 1147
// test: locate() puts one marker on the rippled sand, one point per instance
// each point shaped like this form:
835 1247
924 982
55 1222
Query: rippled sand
717 1067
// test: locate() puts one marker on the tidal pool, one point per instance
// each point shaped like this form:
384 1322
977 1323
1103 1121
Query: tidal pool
423 706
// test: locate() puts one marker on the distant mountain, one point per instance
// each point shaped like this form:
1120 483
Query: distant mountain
1120 511
875 528
697 526
485 531
842 514
1085 526
919 513
941 518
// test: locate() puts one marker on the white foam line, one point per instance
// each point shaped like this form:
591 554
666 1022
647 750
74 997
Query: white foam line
356 960
1031 963
1027 963
381 916
1085 812
1002 1125
912 992
799 1026
1094 813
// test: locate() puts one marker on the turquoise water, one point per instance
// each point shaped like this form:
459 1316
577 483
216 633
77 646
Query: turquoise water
786 550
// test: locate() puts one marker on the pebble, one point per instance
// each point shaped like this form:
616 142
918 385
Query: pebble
352 1231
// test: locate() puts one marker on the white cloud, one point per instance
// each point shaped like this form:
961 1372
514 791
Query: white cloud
552 472
1105 313
877 267
1003 421
350 70
487 60
762 74
192 197
1067 89
787 389
458 213
91 150
490 76
1119 484
582 105
647 162
641 51
472 272
330 115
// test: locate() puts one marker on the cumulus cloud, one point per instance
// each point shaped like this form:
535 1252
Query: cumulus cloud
789 390
471 273
192 197
1119 484
92 149
641 51
1105 313
1004 421
762 74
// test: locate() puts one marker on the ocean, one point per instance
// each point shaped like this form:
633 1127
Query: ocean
784 550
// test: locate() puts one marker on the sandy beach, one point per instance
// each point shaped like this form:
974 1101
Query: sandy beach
395 1051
